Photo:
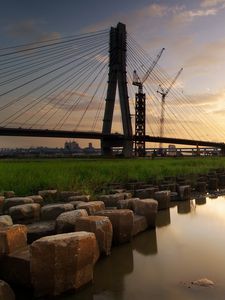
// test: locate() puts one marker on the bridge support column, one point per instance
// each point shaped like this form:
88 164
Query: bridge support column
117 76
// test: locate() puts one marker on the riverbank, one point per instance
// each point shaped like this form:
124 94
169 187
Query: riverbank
91 175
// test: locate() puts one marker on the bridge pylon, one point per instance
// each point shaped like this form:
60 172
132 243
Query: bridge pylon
117 77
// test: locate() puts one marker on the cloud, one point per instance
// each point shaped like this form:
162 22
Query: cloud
211 3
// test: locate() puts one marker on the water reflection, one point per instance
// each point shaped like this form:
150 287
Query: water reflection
200 200
184 207
163 218
146 243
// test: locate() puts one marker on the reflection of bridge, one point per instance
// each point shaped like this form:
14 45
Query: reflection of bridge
44 84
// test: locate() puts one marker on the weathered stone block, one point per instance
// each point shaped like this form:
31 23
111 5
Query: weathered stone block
62 262
200 187
38 230
92 207
212 184
163 199
122 222
81 198
52 211
101 227
12 238
9 194
75 203
6 293
140 224
184 192
221 179
125 204
2 198
66 222
37 199
6 220
14 201
26 213
49 195
147 208
174 196
65 195
15 268
145 193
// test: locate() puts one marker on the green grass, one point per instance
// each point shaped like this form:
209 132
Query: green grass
28 176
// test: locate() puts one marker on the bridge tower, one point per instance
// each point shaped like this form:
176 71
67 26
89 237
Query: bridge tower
117 77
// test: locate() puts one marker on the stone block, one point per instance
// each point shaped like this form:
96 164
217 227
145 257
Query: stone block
92 207
62 262
163 199
14 201
65 195
12 238
66 222
174 196
200 187
38 230
145 193
25 213
212 183
140 224
37 199
2 198
221 179
184 192
75 203
15 268
122 222
9 194
125 204
49 195
6 220
52 211
147 208
6 293
81 198
101 227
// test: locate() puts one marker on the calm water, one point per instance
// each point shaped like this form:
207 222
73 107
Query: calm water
188 244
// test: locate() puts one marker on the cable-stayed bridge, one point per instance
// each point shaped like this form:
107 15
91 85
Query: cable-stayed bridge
81 87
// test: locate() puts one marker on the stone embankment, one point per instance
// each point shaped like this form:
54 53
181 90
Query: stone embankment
53 248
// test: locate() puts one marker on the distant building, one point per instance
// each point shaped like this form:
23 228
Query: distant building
72 146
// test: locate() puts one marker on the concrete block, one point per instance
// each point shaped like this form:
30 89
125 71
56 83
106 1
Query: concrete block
163 199
122 222
9 194
6 220
49 195
62 262
101 227
14 201
37 199
25 213
184 192
140 224
52 211
66 222
6 293
38 230
147 208
81 198
92 207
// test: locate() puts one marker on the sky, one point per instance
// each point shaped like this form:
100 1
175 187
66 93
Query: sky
192 31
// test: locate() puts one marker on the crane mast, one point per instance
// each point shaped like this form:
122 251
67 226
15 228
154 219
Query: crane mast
140 110
164 93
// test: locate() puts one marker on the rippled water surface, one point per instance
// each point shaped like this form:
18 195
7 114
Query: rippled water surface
188 244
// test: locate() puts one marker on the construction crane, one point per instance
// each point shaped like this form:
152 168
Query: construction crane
140 108
164 93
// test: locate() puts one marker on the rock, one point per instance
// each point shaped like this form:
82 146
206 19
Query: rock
174 196
38 230
81 198
147 208
6 293
6 220
9 194
15 268
65 195
14 201
212 183
49 195
125 204
25 213
37 199
62 262
2 198
66 222
204 282
122 222
221 179
184 192
92 207
75 203
101 227
52 211
145 193
140 224
12 238
200 187
163 199
111 200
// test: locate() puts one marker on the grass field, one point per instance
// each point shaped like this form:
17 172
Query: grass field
28 176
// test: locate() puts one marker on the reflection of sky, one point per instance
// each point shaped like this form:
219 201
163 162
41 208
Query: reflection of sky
191 31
